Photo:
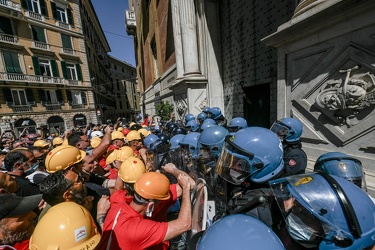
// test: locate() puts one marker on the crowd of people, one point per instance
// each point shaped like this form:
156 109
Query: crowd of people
135 186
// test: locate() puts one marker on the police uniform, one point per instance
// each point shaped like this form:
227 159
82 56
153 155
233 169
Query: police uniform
295 159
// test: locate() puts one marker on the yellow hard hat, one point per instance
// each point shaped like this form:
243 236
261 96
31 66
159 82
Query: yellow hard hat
65 143
131 124
117 135
57 141
66 225
119 129
124 153
41 144
111 156
94 142
133 135
131 169
144 132
63 157
153 186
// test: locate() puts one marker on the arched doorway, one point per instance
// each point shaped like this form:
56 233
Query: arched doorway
23 123
56 125
79 120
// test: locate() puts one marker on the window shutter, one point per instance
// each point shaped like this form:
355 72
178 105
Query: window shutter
42 95
63 68
36 66
8 62
55 70
5 26
24 4
29 94
7 95
54 10
69 95
79 72
59 95
48 96
66 42
83 96
16 63
70 16
38 34
43 7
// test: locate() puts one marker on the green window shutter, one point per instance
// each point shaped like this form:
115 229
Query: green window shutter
8 62
30 95
54 10
7 95
36 66
79 72
55 70
16 63
66 41
59 95
64 71
43 7
42 95
38 34
83 96
24 4
69 95
70 16
5 26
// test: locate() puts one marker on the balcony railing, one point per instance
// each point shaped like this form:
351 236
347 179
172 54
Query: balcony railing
52 106
10 4
64 25
76 105
8 38
11 77
68 51
35 15
19 108
74 82
41 45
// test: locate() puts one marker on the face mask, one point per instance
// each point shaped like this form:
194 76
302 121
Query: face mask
298 230
32 169
150 209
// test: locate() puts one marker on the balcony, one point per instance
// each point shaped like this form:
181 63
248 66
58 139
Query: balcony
52 106
67 51
64 25
10 4
76 105
12 77
73 82
20 108
35 15
8 38
41 45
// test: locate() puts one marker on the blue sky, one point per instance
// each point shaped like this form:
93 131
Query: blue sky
111 14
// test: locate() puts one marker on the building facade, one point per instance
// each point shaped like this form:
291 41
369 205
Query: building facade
265 60
44 78
124 84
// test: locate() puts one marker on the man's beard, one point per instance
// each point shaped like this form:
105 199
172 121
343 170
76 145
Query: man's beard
79 195
11 238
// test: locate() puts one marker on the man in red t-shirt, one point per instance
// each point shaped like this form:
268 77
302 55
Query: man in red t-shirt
125 226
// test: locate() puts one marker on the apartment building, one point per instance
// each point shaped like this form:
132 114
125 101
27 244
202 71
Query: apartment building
44 74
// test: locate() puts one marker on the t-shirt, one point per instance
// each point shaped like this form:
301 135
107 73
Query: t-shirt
131 230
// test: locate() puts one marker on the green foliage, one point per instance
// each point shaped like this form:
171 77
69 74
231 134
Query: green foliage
163 109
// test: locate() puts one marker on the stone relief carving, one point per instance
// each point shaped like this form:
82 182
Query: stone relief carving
181 106
348 96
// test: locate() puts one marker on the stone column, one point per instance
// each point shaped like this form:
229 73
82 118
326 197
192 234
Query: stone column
189 37
177 37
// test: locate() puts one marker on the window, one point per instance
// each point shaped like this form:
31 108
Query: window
66 42
72 73
38 34
12 62
76 95
33 5
5 26
37 6
45 67
61 14
155 58
19 97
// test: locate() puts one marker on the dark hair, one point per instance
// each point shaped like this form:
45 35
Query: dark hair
54 186
74 139
14 157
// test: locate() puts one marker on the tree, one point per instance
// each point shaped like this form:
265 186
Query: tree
163 109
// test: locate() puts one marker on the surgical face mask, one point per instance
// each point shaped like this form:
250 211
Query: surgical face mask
150 208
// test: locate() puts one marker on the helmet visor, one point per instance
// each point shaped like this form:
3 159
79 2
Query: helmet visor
280 129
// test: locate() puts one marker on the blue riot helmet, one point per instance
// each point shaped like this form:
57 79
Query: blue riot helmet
191 142
211 140
207 125
151 141
201 117
210 121
175 141
188 149
239 231
192 126
206 110
288 129
325 211
164 138
178 131
253 152
237 124
343 165
189 117
215 112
